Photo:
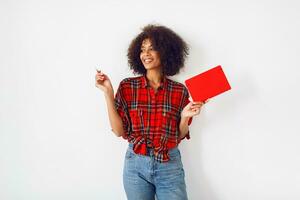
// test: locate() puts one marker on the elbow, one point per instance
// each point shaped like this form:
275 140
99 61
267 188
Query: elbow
118 133
181 136
183 133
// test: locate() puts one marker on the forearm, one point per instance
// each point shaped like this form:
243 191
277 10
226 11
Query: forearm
183 127
114 118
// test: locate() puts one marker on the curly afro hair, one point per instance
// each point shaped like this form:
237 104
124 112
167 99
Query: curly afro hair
171 48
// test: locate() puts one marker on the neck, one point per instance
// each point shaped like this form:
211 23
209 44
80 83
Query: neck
154 76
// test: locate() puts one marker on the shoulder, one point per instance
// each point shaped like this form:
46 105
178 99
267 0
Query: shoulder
179 86
131 80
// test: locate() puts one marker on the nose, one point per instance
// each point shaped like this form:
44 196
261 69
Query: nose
146 51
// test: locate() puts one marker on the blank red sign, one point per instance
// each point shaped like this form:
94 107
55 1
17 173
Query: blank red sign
208 84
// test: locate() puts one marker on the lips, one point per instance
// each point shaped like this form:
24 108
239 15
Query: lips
147 60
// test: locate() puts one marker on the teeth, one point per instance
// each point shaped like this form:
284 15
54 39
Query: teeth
148 60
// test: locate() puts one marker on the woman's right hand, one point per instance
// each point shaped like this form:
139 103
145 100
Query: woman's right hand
102 82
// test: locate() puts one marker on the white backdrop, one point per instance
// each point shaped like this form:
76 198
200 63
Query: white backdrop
55 138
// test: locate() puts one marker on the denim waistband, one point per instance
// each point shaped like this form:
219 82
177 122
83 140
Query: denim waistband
150 150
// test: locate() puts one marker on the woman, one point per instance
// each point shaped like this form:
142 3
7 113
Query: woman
152 112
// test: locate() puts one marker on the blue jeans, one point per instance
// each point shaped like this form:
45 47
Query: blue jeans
143 177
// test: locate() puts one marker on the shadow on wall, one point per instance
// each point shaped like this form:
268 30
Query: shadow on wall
244 92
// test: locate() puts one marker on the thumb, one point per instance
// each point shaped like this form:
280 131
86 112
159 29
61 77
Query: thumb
189 105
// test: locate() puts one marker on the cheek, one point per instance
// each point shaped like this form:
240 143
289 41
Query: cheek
157 57
141 57
158 60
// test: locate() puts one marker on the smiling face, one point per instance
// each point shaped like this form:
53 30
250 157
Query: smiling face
149 57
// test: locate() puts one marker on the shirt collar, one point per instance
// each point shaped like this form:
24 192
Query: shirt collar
146 84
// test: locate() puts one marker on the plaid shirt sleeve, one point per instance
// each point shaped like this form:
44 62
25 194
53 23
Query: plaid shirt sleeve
186 101
122 109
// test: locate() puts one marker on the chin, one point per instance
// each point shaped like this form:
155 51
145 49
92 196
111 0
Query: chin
149 67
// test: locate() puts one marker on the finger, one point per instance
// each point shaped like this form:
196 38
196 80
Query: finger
103 76
100 75
197 102
196 111
100 78
197 106
100 72
206 101
189 104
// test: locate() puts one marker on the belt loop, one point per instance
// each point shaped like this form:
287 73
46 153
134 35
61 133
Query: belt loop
150 151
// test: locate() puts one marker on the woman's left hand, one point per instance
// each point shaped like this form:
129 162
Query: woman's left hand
192 109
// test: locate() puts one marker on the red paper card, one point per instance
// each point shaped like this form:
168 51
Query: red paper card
207 84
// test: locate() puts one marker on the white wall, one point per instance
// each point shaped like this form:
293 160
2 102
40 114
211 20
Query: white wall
55 139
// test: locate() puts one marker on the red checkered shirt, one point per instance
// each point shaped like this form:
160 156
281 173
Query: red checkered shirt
151 119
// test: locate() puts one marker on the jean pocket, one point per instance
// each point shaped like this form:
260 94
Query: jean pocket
175 154
129 155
